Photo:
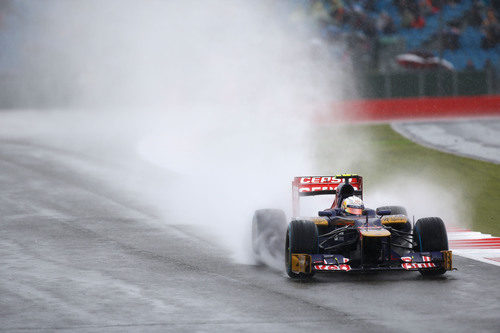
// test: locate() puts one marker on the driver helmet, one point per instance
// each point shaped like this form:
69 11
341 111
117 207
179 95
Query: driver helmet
353 206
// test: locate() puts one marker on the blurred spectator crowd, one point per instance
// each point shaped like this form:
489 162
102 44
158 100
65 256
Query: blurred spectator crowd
490 27
430 25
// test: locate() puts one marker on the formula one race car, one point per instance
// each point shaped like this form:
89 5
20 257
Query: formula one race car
349 237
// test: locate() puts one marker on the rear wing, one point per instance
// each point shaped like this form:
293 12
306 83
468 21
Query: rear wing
319 185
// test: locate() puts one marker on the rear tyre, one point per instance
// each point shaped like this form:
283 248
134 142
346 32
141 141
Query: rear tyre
397 210
301 237
429 235
268 230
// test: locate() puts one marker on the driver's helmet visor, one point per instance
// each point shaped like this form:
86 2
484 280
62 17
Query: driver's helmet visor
354 210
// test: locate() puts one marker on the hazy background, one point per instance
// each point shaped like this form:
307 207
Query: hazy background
222 95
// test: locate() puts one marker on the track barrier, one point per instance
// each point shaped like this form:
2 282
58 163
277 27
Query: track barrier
416 108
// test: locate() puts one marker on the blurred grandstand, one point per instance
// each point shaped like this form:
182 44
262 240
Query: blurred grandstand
467 29
463 33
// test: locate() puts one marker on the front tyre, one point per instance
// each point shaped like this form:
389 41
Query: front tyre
301 237
429 235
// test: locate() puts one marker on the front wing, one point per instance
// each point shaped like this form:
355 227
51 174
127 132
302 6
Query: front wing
414 261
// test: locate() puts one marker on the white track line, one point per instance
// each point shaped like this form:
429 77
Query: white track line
474 138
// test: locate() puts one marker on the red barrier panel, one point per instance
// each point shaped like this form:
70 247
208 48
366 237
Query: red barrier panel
416 108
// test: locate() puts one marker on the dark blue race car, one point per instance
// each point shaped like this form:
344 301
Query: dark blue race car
348 237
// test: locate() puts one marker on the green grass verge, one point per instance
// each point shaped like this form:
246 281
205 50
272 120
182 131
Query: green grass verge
377 152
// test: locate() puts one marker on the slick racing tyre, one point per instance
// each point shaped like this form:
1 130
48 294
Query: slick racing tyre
429 234
268 231
397 210
301 237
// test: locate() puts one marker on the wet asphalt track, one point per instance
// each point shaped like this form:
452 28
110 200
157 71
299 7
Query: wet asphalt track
80 255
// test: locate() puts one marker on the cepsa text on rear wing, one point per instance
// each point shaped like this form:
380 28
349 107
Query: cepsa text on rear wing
320 185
